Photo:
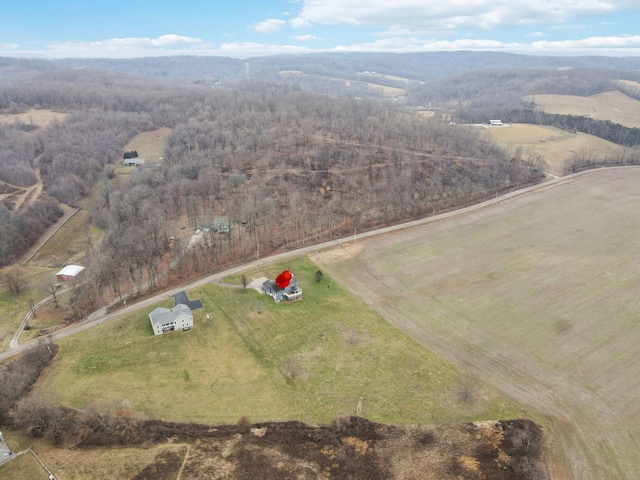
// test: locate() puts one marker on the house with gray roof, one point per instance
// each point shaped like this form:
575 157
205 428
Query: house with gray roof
173 319
5 451
290 293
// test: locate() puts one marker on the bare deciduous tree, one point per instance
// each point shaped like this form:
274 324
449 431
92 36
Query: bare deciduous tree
16 278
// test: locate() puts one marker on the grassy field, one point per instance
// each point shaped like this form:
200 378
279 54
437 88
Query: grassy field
313 360
382 90
25 467
537 296
13 306
599 107
149 145
92 463
103 462
47 317
69 244
555 145
33 116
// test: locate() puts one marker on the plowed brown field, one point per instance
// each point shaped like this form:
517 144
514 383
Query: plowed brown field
537 296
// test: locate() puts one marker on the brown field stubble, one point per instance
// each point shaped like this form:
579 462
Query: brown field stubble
536 296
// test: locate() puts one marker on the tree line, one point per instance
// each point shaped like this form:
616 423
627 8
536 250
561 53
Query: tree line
287 168
23 228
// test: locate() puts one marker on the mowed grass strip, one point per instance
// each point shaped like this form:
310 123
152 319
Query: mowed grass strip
314 360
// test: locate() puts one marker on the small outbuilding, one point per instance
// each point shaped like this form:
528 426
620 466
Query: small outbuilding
70 272
134 162
495 123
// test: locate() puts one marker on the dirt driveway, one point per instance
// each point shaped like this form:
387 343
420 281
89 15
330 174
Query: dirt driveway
536 296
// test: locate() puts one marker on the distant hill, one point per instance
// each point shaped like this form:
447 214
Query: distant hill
414 66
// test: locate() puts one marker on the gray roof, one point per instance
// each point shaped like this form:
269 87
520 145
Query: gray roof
162 316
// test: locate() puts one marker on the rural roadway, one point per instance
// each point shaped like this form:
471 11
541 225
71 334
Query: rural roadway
101 316
573 431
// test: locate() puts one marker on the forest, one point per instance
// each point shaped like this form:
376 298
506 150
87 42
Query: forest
284 164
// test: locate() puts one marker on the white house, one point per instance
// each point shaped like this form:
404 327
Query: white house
287 290
495 123
177 318
134 162
5 452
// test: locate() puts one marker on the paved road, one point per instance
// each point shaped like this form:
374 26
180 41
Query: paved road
100 316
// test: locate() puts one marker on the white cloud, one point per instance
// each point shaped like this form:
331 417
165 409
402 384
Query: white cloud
122 47
270 25
537 34
624 42
251 49
453 14
612 45
306 38
9 46
162 41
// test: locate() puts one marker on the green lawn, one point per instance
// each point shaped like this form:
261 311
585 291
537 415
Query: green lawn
312 360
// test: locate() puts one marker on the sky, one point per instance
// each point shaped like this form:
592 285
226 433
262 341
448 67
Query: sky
241 29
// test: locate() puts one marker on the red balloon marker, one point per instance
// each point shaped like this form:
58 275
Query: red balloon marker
284 279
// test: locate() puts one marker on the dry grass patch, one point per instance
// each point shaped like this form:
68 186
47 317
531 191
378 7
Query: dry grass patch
385 90
613 105
69 243
40 118
100 463
149 145
25 467
553 144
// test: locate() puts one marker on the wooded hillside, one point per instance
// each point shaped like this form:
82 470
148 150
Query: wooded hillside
285 166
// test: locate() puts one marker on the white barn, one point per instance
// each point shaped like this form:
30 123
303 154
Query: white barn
165 320
134 162
70 272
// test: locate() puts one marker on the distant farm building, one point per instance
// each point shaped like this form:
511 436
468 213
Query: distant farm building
70 272
165 320
285 287
495 123
134 162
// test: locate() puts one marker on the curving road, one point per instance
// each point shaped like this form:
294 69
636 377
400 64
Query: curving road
100 316
574 416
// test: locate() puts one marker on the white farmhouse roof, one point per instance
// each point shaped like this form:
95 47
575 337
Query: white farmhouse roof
163 315
71 270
